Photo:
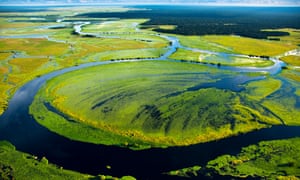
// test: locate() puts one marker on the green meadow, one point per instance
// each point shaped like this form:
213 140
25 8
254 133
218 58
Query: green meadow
15 164
278 159
149 103
189 55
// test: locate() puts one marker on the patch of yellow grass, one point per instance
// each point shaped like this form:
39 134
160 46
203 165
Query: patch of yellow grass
4 55
28 65
293 38
182 54
260 89
251 46
291 75
3 70
36 47
167 27
291 60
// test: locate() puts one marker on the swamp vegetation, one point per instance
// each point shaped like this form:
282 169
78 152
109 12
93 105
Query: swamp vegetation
163 77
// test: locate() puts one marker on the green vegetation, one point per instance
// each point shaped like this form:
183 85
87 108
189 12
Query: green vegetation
139 105
293 75
199 42
128 54
23 59
278 96
145 104
291 60
278 159
293 37
251 46
259 90
112 27
34 47
188 55
18 165
186 172
285 108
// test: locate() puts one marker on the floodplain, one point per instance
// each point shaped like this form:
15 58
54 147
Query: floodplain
136 80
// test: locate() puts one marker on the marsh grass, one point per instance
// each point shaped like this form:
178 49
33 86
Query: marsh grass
293 37
291 60
189 55
34 47
249 46
146 104
19 165
278 159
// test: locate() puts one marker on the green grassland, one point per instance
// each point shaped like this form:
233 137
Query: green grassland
285 102
200 42
23 59
145 104
259 90
127 54
278 95
291 60
293 38
278 159
188 55
237 44
18 165
119 26
251 46
182 54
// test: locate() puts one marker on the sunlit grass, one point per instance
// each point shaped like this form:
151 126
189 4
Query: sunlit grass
293 75
182 54
259 90
291 60
4 55
27 65
293 38
135 106
189 55
123 25
36 47
278 159
200 42
127 54
251 46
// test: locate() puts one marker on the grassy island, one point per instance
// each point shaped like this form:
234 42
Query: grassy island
144 104
278 159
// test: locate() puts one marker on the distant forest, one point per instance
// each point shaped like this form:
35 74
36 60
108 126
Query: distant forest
206 20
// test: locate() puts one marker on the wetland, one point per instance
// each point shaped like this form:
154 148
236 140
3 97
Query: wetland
113 92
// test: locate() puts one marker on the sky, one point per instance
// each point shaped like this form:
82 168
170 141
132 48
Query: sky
213 2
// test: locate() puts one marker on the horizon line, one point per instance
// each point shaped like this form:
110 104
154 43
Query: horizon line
135 3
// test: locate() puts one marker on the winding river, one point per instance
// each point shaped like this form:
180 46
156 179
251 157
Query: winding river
19 127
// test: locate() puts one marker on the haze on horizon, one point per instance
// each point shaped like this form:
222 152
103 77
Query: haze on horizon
209 2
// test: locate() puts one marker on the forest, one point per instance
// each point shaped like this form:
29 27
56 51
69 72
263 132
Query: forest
195 20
